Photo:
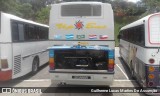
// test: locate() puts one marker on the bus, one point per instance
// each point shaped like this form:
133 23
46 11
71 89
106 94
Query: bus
140 49
82 35
23 45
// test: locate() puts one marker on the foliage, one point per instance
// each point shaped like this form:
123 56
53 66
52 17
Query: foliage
152 6
9 6
43 15
26 10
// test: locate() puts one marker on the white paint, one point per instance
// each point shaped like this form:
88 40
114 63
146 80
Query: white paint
36 80
123 80
122 71
133 1
48 80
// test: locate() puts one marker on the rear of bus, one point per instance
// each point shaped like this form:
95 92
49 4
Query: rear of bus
87 24
5 49
152 43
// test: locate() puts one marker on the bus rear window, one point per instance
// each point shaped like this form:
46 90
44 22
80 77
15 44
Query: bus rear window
81 10
81 59
154 29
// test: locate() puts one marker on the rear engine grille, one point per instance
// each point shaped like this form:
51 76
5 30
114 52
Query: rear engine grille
17 64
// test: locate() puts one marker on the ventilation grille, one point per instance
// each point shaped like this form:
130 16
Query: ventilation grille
17 64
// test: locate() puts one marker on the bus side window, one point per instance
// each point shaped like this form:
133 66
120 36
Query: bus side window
43 33
142 34
15 33
46 33
21 32
36 30
26 32
31 32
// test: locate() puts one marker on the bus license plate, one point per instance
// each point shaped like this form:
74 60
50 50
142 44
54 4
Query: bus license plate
81 77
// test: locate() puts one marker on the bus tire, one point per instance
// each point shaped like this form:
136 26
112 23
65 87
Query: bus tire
35 65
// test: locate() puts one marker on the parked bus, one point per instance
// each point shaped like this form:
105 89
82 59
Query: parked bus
82 35
140 49
22 46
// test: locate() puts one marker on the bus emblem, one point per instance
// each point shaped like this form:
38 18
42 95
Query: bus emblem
79 25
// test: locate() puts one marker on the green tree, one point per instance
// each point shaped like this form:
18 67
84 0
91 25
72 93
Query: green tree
26 11
9 6
42 15
36 4
152 5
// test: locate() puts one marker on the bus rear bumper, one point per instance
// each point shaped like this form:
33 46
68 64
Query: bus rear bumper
5 75
94 79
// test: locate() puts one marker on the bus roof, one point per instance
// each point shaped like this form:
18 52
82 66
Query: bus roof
10 16
138 22
83 2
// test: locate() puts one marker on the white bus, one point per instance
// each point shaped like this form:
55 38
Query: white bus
22 46
88 24
140 49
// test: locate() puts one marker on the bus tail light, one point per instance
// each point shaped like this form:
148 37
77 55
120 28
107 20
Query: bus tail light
51 60
5 74
151 69
111 60
151 76
111 64
150 84
151 61
4 64
51 63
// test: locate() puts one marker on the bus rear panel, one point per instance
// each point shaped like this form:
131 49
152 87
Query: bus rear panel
76 28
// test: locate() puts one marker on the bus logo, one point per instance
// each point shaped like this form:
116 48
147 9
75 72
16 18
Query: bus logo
79 25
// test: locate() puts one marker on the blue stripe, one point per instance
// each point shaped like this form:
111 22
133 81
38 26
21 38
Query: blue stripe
69 36
82 47
51 53
111 54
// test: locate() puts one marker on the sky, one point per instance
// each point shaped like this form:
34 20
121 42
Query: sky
133 1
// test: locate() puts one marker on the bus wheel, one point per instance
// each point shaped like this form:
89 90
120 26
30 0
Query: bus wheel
35 65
